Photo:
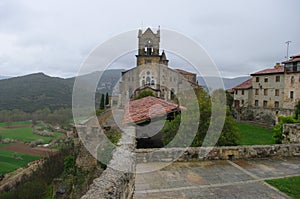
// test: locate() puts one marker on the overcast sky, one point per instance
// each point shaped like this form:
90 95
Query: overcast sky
55 37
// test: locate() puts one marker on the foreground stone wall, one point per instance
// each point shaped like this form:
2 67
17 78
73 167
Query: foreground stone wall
117 181
291 133
217 153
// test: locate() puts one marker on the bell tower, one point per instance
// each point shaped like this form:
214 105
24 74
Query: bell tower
148 52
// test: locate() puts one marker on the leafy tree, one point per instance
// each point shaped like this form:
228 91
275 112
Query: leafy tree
144 94
69 164
102 102
106 100
230 134
229 100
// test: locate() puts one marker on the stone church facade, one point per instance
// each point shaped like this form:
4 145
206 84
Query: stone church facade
152 72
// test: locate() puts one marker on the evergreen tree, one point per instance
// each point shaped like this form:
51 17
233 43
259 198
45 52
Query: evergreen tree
102 102
106 100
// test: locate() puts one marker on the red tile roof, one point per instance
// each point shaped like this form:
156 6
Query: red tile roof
244 85
270 71
147 108
293 59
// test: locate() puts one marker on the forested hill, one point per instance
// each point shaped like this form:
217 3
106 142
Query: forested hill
38 91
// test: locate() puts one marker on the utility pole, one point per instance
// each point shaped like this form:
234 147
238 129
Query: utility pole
287 49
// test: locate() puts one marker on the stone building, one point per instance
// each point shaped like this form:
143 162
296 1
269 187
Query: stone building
274 91
152 72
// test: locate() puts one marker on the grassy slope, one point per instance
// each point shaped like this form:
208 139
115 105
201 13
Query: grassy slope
24 134
290 186
8 161
254 135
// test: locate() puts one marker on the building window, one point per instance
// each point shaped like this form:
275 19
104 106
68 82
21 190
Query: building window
276 104
242 102
266 79
257 79
292 94
276 92
243 92
256 103
265 91
172 94
147 61
152 82
256 91
265 103
236 92
292 79
277 78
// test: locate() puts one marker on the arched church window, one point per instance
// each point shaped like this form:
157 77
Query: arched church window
172 94
152 82
147 80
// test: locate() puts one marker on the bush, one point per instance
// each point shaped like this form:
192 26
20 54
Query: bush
144 94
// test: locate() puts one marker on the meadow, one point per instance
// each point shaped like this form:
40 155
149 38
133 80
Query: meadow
22 131
255 135
10 161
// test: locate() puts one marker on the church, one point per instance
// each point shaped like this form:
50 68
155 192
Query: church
152 72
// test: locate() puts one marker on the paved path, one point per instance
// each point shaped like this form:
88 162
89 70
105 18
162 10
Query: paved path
215 179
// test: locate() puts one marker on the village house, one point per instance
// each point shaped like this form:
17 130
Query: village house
269 92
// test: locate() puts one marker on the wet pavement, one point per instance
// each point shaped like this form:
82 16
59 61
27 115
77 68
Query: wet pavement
215 179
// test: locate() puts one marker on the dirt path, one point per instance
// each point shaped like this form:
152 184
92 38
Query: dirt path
25 149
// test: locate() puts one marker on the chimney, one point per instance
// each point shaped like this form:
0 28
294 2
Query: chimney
277 65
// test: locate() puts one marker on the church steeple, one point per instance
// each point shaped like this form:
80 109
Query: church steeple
148 47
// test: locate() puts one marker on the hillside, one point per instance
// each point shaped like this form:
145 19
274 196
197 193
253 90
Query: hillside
36 91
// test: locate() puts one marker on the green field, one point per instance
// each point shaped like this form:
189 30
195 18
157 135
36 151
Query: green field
3 124
23 134
290 186
10 161
254 135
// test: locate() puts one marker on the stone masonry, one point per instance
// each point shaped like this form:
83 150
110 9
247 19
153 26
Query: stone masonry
291 133
117 181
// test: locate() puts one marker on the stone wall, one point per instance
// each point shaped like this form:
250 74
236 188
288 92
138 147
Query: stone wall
291 133
117 181
217 153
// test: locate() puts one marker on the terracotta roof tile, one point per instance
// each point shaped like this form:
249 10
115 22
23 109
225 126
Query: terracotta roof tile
146 108
244 85
270 71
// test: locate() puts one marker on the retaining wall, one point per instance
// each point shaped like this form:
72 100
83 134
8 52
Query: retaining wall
291 133
117 181
217 153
